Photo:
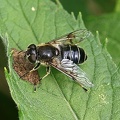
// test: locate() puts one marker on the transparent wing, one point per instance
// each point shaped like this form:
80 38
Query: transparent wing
73 37
73 71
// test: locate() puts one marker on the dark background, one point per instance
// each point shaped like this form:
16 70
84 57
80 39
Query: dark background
88 8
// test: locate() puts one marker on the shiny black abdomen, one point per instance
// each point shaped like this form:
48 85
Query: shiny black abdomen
73 53
47 52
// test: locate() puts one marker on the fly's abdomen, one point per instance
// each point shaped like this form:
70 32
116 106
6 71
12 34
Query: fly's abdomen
73 53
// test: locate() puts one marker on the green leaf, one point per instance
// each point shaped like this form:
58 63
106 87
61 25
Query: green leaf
58 97
117 9
108 26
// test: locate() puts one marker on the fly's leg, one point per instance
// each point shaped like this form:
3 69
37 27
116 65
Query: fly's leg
34 69
47 72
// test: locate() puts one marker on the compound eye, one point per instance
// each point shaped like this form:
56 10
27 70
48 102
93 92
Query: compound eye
31 53
32 58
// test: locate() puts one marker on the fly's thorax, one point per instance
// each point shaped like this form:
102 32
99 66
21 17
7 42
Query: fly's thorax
47 52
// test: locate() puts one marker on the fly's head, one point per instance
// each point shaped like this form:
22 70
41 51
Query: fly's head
31 53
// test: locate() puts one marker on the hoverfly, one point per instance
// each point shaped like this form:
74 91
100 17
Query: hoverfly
62 54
